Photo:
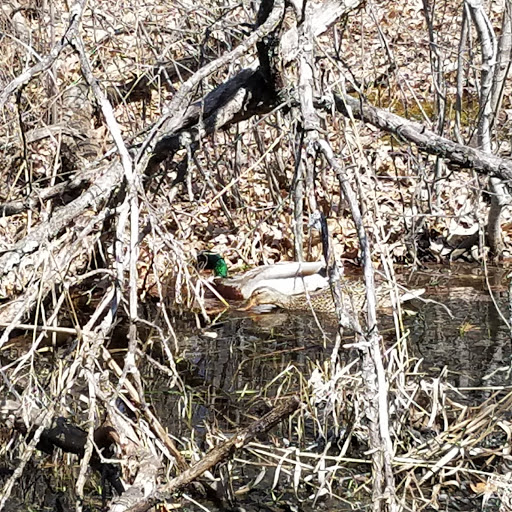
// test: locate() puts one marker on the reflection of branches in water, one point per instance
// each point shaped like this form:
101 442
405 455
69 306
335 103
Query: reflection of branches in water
474 342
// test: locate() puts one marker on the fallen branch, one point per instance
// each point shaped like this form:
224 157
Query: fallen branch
214 457
458 155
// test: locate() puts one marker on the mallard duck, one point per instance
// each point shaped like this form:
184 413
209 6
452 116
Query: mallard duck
353 298
286 278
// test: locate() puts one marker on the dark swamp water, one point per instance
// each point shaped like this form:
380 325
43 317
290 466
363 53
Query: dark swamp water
231 372
459 328
234 365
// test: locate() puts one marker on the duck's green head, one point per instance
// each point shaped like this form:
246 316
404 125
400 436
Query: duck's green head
212 261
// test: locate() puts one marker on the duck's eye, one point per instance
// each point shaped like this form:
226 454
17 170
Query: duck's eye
202 261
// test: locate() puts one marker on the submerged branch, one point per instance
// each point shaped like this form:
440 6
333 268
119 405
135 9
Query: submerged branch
218 454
